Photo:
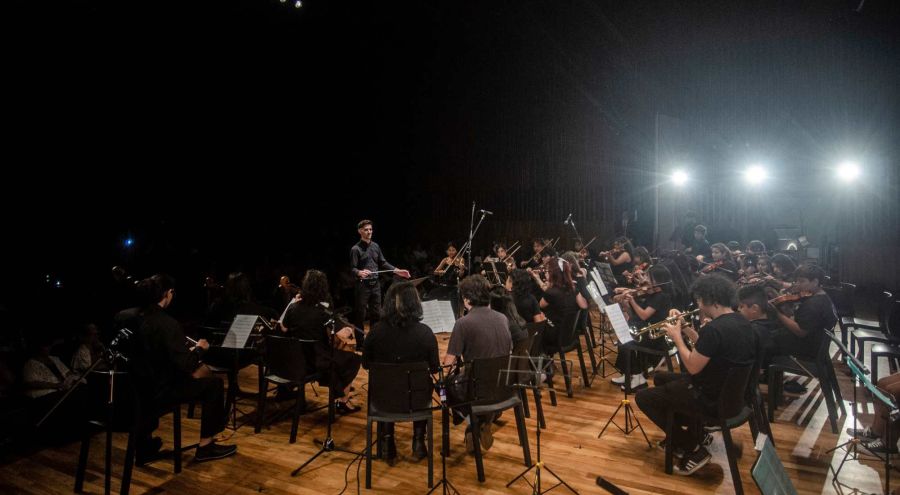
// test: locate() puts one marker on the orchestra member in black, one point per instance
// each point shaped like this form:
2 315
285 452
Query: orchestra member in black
621 259
521 286
649 310
753 304
722 262
579 274
783 268
801 335
401 337
169 373
699 246
726 341
502 302
560 301
307 319
366 258
538 246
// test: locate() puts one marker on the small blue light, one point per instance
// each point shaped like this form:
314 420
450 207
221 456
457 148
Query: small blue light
128 242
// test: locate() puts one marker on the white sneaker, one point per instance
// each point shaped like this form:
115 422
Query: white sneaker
619 380
637 381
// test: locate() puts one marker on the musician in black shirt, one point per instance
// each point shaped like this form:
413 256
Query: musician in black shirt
753 304
400 337
521 286
726 341
366 258
168 373
803 333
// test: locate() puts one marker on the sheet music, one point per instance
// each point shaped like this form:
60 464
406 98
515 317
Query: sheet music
617 319
596 276
239 331
438 315
595 294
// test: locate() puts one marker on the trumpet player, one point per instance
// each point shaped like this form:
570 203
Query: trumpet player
726 341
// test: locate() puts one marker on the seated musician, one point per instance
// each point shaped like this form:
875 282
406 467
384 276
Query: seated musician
620 258
169 373
700 246
401 337
647 310
802 333
725 342
482 333
502 302
579 274
783 268
722 262
521 286
753 304
540 273
307 319
502 255
876 438
538 246
560 301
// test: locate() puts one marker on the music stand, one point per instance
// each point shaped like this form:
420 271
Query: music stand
617 319
444 483
531 380
604 270
597 296
237 339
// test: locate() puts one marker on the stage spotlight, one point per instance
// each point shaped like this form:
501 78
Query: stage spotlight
298 4
755 174
129 242
848 171
679 177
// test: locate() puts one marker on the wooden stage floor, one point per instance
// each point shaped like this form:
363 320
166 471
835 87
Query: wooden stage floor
569 446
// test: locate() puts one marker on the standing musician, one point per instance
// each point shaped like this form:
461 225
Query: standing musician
170 373
726 341
306 319
451 268
700 246
647 310
366 258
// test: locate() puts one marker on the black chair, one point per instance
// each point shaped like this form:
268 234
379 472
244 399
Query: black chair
522 363
821 368
127 413
399 393
568 340
287 365
841 295
889 346
731 412
490 392
862 331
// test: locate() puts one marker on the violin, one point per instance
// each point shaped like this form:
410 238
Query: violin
711 267
792 297
612 253
637 275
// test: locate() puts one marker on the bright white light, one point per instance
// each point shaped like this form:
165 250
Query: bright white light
298 4
848 171
755 174
679 177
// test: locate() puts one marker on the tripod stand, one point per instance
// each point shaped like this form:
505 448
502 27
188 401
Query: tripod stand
631 421
327 444
538 368
444 483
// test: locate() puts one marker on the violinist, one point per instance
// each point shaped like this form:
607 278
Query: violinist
451 268
722 262
540 273
505 257
620 258
648 310
521 286
753 304
783 268
638 275
560 301
802 334
538 245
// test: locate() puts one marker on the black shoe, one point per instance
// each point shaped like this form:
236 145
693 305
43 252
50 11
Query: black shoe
149 451
794 388
214 451
878 447
390 451
345 408
419 450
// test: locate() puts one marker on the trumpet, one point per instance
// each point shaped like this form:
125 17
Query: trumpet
656 330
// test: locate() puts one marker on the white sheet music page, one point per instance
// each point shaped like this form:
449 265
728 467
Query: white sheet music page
239 332
596 276
619 324
438 315
595 294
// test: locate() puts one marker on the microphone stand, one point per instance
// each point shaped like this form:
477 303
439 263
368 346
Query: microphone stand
571 223
327 444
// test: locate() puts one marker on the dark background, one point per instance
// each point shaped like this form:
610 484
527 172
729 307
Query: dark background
248 134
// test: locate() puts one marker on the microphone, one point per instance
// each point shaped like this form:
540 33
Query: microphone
568 219
486 212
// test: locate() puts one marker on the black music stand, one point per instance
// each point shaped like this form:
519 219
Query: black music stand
532 381
327 444
235 341
444 483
